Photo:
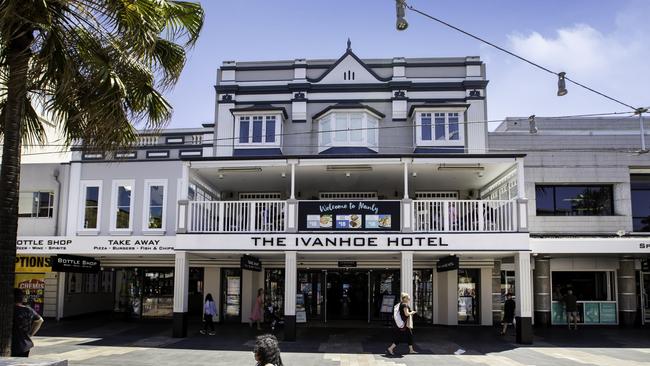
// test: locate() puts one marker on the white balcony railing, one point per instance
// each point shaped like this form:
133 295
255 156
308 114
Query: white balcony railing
465 216
237 216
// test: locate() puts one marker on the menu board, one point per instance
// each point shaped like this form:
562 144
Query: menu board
33 286
349 215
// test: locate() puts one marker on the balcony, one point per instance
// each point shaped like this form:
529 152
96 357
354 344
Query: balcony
426 216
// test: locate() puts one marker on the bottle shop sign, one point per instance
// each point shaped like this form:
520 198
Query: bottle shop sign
75 263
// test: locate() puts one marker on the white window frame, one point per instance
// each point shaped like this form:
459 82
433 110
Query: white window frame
369 124
35 215
82 206
148 183
417 126
279 121
115 184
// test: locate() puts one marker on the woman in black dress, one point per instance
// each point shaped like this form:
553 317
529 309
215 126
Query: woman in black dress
404 328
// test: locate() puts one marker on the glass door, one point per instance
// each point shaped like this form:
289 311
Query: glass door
310 285
468 296
274 290
383 283
231 295
347 295
423 295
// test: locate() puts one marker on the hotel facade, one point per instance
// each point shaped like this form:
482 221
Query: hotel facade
336 184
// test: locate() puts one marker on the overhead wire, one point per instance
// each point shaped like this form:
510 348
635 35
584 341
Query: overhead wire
412 8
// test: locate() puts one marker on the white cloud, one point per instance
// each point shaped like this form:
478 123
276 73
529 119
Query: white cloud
615 63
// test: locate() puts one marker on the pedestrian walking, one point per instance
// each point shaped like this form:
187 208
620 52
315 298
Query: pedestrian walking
209 311
403 317
267 351
571 307
508 313
256 314
26 323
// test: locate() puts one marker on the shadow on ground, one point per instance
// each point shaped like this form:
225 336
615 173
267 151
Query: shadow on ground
107 331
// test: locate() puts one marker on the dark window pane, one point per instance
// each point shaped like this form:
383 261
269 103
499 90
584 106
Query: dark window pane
583 201
243 131
257 129
92 196
122 220
155 218
156 195
544 200
124 196
270 129
90 218
641 224
641 203
426 127
640 181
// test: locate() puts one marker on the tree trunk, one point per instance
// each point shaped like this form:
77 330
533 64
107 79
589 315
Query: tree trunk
18 56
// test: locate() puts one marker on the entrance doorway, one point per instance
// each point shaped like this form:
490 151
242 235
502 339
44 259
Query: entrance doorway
310 285
468 296
347 295
231 295
383 283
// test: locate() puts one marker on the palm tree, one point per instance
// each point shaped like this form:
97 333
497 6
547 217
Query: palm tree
98 69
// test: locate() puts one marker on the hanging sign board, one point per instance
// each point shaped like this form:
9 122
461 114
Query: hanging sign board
349 215
447 264
251 263
387 303
74 263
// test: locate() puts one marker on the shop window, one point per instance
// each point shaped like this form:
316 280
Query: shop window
274 290
640 191
36 204
586 285
423 295
155 192
122 205
574 200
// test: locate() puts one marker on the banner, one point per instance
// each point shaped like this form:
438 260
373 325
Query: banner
76 264
96 245
33 264
33 286
349 215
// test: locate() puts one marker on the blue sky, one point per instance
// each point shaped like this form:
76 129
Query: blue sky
602 43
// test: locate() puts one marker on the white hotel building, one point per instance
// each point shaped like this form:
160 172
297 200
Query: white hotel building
351 181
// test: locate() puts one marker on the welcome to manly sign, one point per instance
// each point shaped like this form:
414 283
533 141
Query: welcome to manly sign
360 242
96 244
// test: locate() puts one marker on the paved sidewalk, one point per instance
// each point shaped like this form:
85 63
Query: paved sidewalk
106 342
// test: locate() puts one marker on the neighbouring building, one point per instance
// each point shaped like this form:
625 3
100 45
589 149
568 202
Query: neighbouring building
335 185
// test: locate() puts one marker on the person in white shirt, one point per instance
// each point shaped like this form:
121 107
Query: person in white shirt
209 310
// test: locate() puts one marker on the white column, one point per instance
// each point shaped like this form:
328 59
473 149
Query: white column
406 180
486 296
523 285
521 183
293 181
181 279
73 200
290 278
406 275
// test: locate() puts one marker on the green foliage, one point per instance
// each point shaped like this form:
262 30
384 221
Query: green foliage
99 67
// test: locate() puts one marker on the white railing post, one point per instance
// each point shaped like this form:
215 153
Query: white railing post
251 212
481 219
445 215
220 216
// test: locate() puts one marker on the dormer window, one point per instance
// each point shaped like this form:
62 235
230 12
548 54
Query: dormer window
439 127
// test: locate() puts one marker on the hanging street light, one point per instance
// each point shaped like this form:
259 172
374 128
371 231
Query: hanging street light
401 24
561 84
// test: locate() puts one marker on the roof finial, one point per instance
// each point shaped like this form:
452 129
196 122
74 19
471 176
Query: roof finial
349 44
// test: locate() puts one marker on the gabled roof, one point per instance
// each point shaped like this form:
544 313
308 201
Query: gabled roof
350 54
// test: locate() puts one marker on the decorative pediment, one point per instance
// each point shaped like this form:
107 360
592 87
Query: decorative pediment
349 69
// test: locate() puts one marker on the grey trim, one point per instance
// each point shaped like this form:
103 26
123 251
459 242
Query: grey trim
390 63
170 140
378 156
261 108
344 106
188 152
408 85
435 105
347 53
412 100
149 153
299 121
129 155
88 156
